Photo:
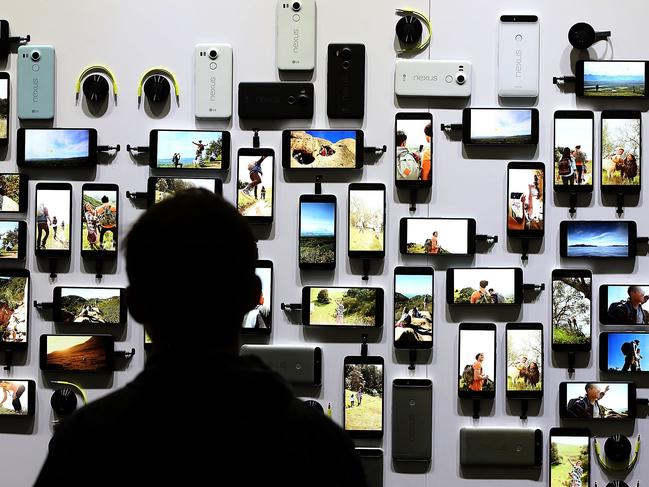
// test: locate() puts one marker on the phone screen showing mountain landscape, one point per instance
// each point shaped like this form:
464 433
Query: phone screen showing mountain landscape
68 147
81 305
78 353
618 78
323 148
317 232
598 239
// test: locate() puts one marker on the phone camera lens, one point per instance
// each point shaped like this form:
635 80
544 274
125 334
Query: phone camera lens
291 100
296 6
460 79
213 54
36 56
346 53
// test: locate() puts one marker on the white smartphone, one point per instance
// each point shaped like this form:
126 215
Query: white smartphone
295 49
213 81
518 56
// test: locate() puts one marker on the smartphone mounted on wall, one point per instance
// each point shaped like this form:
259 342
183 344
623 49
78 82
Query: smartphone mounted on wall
482 448
15 293
189 149
413 150
620 352
160 188
255 184
621 144
322 149
344 307
366 221
624 304
597 401
412 420
13 240
476 361
20 395
53 222
317 232
99 221
56 147
13 193
412 312
569 452
89 305
598 239
77 353
572 293
525 199
298 365
437 237
573 151
363 388
500 126
259 320
524 356
611 79
484 286
346 81
5 108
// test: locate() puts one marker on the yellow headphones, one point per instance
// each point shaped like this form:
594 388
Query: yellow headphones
619 466
424 20
153 71
89 69
75 387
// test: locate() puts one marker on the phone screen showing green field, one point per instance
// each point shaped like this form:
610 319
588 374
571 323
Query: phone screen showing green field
569 461
363 397
340 306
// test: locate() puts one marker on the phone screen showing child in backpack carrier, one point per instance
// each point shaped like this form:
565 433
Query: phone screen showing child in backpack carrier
413 150
99 220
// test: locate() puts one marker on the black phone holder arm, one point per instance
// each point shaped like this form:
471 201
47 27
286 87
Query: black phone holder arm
137 148
364 345
413 199
412 355
99 265
376 151
318 184
491 239
451 127
52 266
136 195
563 79
534 287
43 305
366 270
255 139
289 307
476 408
572 202
525 248
9 359
524 409
108 148
125 354
641 401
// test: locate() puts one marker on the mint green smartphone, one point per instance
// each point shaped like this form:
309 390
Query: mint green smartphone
36 82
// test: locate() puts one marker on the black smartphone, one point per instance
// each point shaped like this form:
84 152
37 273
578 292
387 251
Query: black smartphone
573 151
17 397
622 351
275 100
437 236
413 307
482 448
255 187
525 199
413 149
500 126
53 220
13 193
366 220
89 305
524 360
621 145
412 420
298 365
604 401
569 457
259 320
346 80
189 149
598 239
99 220
611 79
622 304
159 188
476 361
363 396
13 240
5 104
372 462
14 296
322 149
484 285
342 306
59 147
572 296
317 227
77 353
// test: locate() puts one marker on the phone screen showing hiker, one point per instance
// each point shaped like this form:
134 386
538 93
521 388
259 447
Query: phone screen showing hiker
621 144
363 396
342 306
569 457
13 193
476 360
588 401
500 126
99 219
89 305
17 397
413 149
525 199
189 149
573 151
598 239
322 149
13 240
317 239
53 220
571 310
437 236
484 286
412 312
56 147
77 353
4 108
622 351
524 360
255 187
366 221
160 188
624 304
14 294
258 321
611 79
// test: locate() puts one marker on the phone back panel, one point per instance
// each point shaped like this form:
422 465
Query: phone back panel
346 81
501 447
298 365
35 83
412 420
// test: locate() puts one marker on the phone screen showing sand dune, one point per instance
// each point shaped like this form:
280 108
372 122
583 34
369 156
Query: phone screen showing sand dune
77 353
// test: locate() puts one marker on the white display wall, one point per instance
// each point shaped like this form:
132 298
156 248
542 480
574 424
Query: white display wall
132 36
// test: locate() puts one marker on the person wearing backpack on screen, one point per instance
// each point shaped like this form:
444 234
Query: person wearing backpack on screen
567 167
107 217
630 352
630 312
408 163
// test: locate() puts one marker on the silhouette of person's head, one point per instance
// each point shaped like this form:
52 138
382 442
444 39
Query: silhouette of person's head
104 199
188 279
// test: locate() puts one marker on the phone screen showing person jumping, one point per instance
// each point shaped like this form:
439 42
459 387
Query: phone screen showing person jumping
525 214
99 218
569 457
53 214
255 188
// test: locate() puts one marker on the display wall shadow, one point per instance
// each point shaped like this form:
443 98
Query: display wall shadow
271 125
62 266
356 267
582 361
411 467
423 196
35 124
501 473
213 123
610 200
308 391
345 123
562 200
426 103
311 277
60 173
641 379
465 408
94 109
117 331
263 231
18 358
108 266
602 428
103 380
402 356
328 176
513 153
296 74
518 101
536 246
513 407
3 152
601 266
158 110
17 425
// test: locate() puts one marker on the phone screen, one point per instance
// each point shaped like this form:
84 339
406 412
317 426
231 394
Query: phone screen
99 219
255 185
366 220
323 149
623 79
318 233
477 361
621 151
598 239
11 239
414 148
259 319
573 153
597 400
436 236
77 353
571 310
624 351
4 110
57 147
192 149
167 187
14 293
53 215
524 359
15 397
345 306
624 304
569 460
413 310
91 305
484 286
364 397
525 214
501 126
10 193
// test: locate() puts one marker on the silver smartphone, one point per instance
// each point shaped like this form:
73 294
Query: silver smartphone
299 365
